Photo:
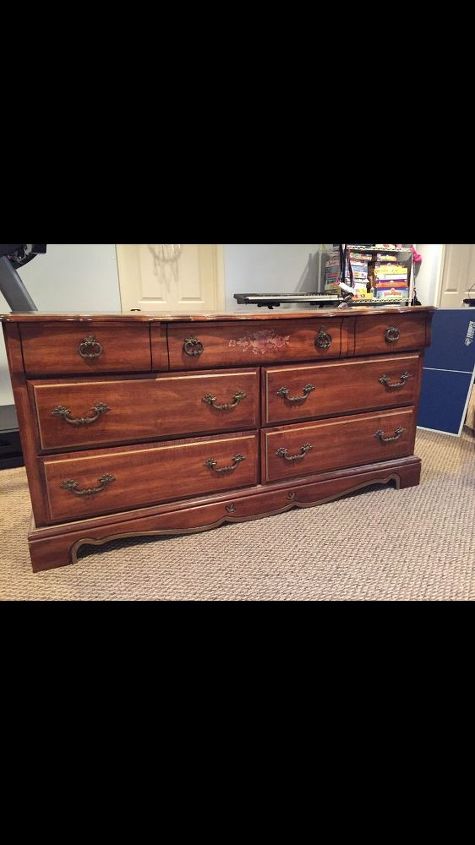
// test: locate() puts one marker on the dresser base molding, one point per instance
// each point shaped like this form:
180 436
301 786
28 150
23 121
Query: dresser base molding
56 546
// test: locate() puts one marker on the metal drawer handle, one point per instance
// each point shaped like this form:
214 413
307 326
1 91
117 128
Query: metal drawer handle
90 348
284 392
227 406
73 486
193 347
392 334
397 434
212 464
323 340
97 409
283 453
393 385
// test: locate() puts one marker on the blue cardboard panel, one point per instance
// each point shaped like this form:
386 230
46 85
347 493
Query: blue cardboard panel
443 400
451 328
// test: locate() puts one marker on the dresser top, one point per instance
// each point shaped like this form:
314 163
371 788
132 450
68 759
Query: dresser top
155 317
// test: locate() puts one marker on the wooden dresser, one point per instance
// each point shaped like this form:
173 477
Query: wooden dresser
139 424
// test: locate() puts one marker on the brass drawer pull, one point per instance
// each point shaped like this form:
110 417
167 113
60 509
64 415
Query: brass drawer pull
90 348
227 406
98 409
392 334
73 486
393 385
397 434
323 340
283 453
193 347
284 392
212 464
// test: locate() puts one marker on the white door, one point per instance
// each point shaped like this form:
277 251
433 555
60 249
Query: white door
458 275
181 278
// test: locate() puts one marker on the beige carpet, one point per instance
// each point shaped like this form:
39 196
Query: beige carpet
383 545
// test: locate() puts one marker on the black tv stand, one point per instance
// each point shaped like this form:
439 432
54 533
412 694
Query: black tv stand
10 447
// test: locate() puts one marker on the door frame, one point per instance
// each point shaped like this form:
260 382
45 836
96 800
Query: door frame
440 275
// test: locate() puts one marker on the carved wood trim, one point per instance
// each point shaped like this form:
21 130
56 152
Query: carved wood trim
49 551
167 532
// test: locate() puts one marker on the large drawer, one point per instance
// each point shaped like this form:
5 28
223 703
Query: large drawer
297 451
77 347
97 412
339 387
112 480
390 333
248 343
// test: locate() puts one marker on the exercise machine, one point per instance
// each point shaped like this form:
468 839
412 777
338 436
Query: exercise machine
13 256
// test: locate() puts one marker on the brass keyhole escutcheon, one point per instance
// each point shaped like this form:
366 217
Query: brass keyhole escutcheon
392 334
193 347
323 340
90 348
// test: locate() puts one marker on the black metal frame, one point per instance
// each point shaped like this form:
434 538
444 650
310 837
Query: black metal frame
13 289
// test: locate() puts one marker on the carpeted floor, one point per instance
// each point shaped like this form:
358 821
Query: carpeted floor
383 545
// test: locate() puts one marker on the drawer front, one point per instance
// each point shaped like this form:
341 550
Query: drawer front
60 348
294 452
390 333
208 345
103 412
122 479
302 392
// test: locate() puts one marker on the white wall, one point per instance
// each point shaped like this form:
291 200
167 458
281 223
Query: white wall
268 268
83 277
69 277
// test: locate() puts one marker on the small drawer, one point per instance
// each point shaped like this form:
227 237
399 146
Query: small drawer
113 480
244 343
100 412
294 452
85 348
390 333
339 387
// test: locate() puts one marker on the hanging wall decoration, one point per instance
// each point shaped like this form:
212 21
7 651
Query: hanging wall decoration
165 261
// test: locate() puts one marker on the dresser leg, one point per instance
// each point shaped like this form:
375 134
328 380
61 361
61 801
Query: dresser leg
410 475
50 553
